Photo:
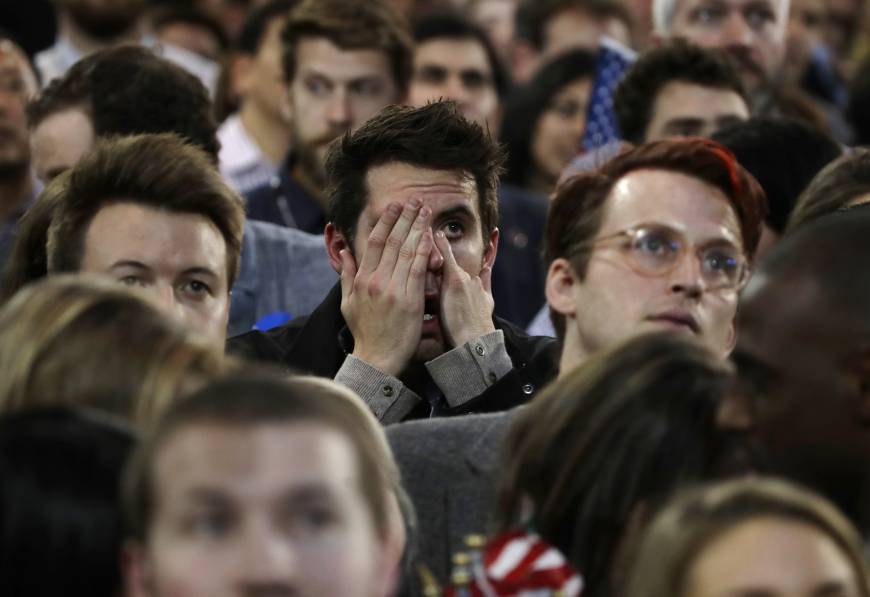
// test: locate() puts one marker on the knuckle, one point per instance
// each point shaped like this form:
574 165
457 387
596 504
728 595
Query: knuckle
406 253
394 243
376 241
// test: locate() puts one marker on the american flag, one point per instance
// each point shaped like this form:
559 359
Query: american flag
520 564
601 127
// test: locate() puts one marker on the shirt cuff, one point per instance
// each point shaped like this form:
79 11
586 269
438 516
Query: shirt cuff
386 396
468 370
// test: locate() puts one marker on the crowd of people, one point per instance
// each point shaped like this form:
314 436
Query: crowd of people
463 298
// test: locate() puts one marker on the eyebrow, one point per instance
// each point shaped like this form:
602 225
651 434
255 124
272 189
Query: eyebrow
452 212
196 270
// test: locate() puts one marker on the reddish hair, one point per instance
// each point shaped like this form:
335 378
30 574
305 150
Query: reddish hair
577 209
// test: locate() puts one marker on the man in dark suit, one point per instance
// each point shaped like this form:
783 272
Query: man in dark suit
659 238
413 232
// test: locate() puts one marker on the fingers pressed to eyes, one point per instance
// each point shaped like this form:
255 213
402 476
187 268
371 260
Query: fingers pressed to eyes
410 251
398 235
443 245
378 238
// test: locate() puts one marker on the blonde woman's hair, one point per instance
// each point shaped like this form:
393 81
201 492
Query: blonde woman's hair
73 339
694 519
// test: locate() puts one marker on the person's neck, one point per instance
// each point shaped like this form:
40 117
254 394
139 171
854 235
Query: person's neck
14 192
272 135
573 354
309 184
85 44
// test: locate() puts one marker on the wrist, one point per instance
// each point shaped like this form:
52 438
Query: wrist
378 361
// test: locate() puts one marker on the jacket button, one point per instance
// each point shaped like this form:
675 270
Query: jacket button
480 350
388 391
491 377
528 388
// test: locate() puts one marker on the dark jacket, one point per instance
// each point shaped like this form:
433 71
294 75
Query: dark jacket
319 343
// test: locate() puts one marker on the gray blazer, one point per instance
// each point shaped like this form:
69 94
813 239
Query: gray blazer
282 270
449 468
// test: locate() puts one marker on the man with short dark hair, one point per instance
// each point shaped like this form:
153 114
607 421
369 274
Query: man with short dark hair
454 60
343 61
546 28
413 232
800 407
256 139
678 89
153 212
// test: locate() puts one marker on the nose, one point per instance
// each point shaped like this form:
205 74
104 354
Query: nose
456 90
736 31
339 112
436 260
267 560
164 295
686 278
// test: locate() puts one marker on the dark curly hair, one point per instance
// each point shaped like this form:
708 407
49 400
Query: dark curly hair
129 90
635 97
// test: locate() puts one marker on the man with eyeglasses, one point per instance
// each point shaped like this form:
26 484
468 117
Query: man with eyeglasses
662 237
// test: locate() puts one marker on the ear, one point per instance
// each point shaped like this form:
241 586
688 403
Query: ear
240 74
335 243
491 249
560 287
732 337
135 570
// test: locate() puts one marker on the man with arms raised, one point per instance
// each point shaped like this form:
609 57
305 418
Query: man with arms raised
659 238
413 232
343 61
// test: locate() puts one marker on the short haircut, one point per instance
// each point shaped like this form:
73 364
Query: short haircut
434 136
260 397
254 29
528 102
352 25
783 155
157 171
678 61
67 340
625 429
455 27
130 90
679 534
837 185
59 508
533 16
577 209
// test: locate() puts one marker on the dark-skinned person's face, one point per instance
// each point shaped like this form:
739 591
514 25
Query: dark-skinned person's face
797 407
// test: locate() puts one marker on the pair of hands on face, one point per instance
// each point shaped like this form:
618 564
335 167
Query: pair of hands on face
382 300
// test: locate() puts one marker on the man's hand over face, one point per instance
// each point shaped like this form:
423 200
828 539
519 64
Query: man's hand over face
383 301
466 300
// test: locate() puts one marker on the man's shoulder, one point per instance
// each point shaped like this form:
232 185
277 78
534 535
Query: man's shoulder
269 236
444 438
266 346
